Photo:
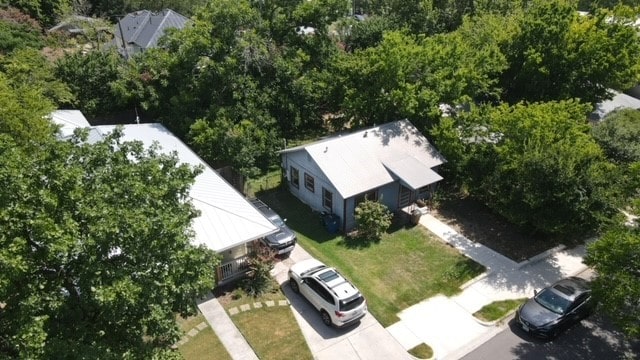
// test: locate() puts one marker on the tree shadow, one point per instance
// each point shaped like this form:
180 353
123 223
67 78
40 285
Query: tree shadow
593 338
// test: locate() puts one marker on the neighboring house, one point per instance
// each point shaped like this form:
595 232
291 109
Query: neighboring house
619 101
228 224
69 120
72 25
393 163
141 30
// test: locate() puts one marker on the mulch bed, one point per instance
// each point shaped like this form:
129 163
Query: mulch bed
479 224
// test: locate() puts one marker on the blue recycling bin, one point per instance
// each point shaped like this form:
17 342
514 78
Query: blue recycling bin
332 223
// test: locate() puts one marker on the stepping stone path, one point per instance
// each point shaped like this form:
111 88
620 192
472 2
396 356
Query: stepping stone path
232 311
256 305
192 333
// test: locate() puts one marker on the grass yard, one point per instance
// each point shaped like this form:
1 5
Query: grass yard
272 332
205 345
407 266
498 309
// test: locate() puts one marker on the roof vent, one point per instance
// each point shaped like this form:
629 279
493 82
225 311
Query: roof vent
326 149
365 134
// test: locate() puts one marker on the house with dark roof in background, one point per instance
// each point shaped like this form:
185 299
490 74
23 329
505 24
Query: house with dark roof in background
391 163
141 30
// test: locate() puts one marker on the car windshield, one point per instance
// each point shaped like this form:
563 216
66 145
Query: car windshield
552 301
277 221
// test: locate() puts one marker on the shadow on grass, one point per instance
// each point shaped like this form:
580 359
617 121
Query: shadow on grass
299 217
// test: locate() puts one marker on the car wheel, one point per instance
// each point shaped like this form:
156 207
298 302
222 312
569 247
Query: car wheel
294 286
326 319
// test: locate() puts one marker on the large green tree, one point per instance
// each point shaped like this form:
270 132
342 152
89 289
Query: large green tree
616 259
90 77
407 76
558 54
619 135
537 165
95 250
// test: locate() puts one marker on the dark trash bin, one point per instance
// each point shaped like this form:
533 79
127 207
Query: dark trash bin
331 223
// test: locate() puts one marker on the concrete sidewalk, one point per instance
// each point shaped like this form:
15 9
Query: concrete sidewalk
447 324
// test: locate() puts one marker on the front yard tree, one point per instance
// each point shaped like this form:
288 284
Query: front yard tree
619 135
540 168
95 251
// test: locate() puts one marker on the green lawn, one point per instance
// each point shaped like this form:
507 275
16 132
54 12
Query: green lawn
205 345
407 266
272 332
498 309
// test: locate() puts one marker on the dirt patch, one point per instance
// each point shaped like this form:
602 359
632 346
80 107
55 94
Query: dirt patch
479 224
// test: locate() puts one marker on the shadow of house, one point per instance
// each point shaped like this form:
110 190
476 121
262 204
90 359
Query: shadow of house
391 163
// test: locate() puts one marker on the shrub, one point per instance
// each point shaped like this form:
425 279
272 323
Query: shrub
373 219
258 279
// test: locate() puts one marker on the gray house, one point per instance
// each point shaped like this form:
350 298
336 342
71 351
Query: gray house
141 30
393 163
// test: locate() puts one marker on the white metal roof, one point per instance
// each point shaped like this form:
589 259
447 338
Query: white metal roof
68 120
370 158
619 101
227 219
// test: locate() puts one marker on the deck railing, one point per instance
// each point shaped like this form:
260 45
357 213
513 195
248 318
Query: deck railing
233 268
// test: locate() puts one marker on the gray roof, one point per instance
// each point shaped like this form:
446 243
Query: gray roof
373 157
619 101
144 28
226 218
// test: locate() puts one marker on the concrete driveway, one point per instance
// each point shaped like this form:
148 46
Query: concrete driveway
366 339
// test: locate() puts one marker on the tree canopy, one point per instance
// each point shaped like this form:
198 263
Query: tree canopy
619 135
95 250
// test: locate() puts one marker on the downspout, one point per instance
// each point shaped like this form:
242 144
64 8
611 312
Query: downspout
344 216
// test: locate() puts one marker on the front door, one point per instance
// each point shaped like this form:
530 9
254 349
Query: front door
404 199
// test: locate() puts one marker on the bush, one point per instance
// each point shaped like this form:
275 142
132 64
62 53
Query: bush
258 279
373 219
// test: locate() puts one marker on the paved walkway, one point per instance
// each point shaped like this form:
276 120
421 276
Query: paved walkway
226 330
447 324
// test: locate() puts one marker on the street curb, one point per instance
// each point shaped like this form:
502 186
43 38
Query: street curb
476 279
469 347
494 322
541 256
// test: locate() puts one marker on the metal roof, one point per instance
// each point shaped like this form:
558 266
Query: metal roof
227 219
619 101
370 158
144 28
68 120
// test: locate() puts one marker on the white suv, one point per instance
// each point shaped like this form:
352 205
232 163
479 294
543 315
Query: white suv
338 301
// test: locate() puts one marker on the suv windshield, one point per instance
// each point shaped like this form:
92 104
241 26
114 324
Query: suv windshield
277 221
352 303
552 301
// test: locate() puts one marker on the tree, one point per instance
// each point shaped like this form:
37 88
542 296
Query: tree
538 166
18 30
407 77
558 54
90 77
29 68
96 250
615 257
23 109
619 135
373 219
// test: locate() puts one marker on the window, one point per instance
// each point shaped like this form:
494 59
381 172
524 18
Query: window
295 177
327 199
309 182
369 195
